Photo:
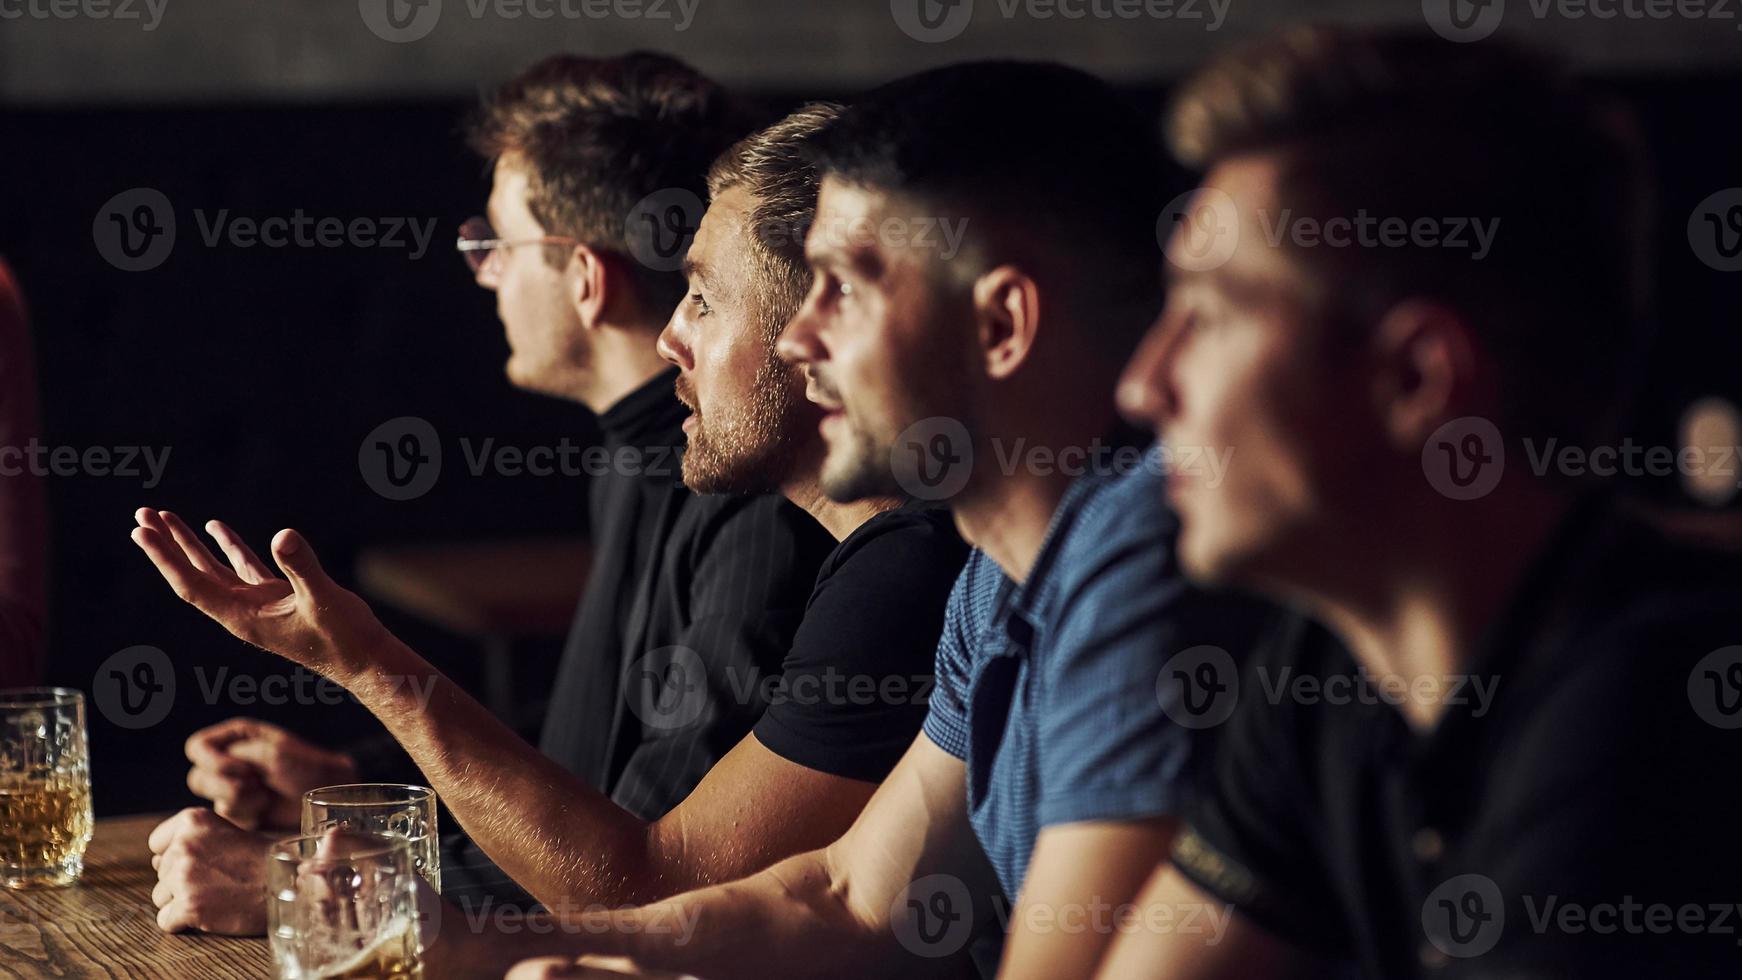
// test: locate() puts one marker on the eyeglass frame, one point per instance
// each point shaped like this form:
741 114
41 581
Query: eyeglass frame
489 246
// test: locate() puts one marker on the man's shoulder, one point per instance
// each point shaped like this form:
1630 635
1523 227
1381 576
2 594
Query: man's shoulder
1120 520
708 521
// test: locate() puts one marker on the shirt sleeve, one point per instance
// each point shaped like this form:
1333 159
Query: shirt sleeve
946 721
854 690
751 571
1249 838
1109 750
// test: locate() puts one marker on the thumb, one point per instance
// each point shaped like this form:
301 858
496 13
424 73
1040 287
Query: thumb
298 563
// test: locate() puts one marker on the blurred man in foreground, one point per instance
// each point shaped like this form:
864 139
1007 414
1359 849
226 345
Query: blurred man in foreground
1537 781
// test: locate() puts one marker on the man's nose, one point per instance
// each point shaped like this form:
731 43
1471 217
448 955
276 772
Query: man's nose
671 344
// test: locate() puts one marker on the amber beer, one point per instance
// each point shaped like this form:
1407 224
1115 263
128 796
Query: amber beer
45 787
43 823
394 957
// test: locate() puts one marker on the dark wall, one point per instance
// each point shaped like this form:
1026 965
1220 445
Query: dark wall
263 369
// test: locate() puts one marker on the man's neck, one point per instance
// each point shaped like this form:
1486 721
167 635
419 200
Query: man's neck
624 359
1009 520
837 518
1419 604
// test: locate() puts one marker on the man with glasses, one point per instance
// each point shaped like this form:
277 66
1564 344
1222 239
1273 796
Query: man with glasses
726 577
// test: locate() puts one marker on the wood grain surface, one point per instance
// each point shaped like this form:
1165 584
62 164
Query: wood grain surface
105 925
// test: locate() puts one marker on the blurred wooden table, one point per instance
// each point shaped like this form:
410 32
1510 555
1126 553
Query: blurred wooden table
493 592
105 926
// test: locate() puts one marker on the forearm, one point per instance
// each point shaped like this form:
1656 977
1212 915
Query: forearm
563 841
794 921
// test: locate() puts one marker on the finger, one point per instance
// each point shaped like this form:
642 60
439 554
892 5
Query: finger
177 916
162 893
173 565
220 787
208 746
246 810
165 833
192 546
298 562
242 558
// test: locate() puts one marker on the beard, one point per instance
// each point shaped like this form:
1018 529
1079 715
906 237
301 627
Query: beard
753 447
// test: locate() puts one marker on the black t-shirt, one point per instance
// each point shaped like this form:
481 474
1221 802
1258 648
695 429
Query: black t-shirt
853 691
1575 815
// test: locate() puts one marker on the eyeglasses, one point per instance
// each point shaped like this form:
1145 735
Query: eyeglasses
478 242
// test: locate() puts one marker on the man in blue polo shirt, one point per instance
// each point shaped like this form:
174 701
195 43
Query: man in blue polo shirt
979 370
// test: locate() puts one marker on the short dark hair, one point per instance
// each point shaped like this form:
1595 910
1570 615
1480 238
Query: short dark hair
775 166
1084 186
600 134
1408 125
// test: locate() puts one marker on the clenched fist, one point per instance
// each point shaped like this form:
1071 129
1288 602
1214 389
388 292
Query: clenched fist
255 773
211 875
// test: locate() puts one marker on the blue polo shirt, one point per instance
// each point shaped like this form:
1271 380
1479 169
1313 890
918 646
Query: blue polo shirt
1048 689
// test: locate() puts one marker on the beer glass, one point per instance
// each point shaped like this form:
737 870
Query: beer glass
45 787
382 808
342 905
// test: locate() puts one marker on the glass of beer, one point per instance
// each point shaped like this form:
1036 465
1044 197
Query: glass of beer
342 905
382 808
45 787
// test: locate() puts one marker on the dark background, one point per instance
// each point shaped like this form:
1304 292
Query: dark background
264 368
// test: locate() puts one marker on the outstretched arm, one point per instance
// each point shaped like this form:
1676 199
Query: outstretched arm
563 841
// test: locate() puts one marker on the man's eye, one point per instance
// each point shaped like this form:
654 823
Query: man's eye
702 307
